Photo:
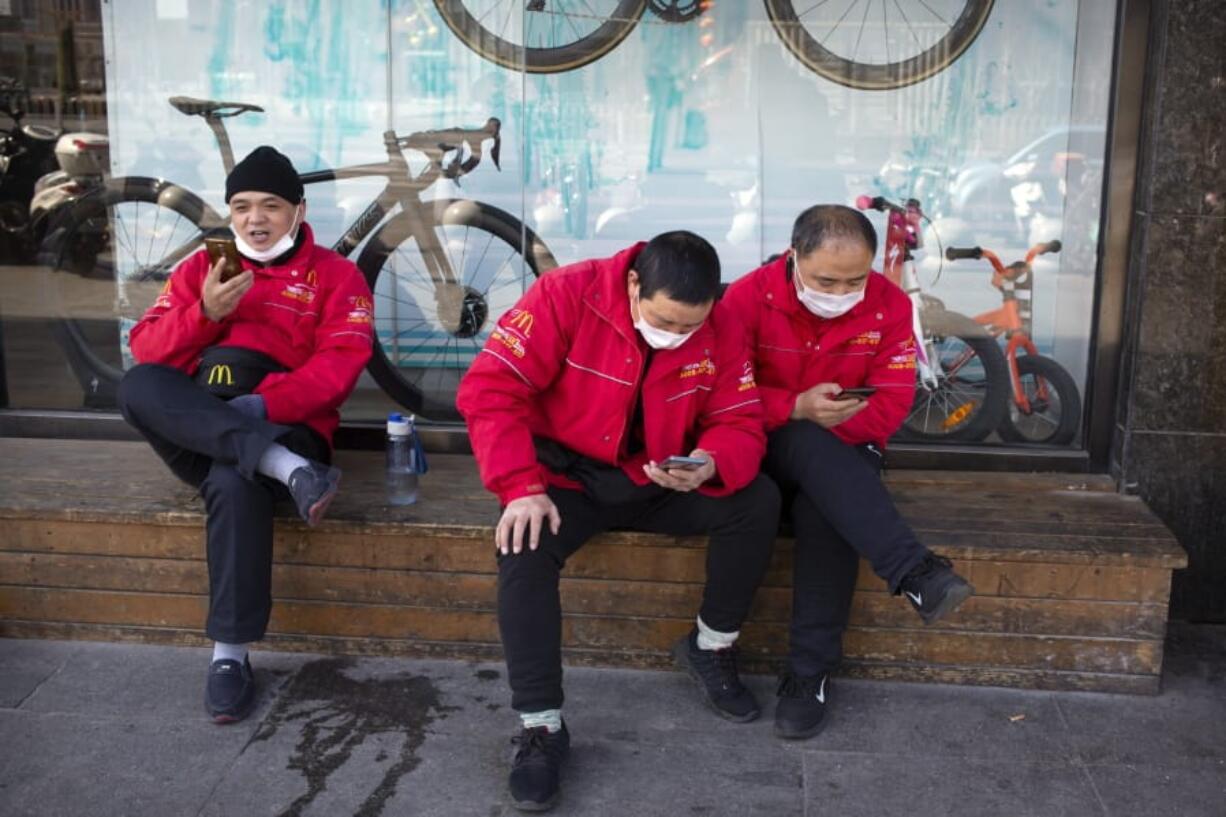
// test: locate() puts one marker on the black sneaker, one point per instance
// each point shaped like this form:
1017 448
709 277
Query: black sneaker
537 767
934 589
313 487
801 711
230 690
715 672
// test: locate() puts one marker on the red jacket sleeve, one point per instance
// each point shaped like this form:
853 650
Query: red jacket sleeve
174 331
730 427
893 373
739 303
497 392
342 347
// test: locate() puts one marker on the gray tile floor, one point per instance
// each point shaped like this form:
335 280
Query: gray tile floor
116 729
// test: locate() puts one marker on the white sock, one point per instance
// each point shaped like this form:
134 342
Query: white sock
279 462
709 639
551 719
232 652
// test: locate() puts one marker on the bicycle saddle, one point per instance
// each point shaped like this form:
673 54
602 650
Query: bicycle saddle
204 107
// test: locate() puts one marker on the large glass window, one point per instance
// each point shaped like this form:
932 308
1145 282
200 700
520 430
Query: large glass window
540 133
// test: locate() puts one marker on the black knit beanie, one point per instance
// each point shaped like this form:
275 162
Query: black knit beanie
267 170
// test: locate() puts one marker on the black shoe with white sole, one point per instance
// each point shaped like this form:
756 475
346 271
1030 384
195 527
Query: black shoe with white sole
934 589
536 771
717 677
801 710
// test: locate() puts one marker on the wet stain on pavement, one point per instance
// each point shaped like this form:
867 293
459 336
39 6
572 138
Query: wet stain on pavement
487 675
334 714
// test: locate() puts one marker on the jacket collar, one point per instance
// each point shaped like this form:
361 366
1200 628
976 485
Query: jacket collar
606 294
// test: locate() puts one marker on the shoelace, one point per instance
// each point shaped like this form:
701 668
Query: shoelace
926 568
723 666
533 742
794 686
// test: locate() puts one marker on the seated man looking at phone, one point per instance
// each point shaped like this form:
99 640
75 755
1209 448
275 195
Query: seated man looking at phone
244 359
608 398
834 353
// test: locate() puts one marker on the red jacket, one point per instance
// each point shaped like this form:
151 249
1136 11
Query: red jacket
566 363
794 350
311 314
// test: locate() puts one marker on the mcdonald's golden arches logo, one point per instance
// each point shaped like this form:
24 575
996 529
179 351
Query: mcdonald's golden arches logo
220 375
362 302
522 320
166 287
312 278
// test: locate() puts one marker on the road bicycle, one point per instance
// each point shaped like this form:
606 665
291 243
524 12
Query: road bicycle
1045 406
961 374
864 44
442 271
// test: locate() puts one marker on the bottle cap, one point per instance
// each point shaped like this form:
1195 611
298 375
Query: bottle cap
398 426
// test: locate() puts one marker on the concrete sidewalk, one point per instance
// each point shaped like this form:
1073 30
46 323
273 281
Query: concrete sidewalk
117 729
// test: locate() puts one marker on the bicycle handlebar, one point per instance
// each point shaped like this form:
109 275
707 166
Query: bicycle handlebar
437 144
1047 246
960 253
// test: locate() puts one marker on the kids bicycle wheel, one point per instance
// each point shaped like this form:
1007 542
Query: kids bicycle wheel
541 36
427 334
877 46
111 253
969 400
1055 405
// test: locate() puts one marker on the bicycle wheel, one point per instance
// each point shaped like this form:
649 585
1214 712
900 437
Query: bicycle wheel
541 36
969 399
111 253
1055 405
876 46
428 335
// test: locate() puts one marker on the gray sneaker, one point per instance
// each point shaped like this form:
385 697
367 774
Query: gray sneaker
313 488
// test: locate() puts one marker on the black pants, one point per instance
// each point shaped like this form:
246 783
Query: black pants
215 448
742 529
840 512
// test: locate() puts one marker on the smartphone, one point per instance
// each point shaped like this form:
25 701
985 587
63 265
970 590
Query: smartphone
858 391
224 248
683 463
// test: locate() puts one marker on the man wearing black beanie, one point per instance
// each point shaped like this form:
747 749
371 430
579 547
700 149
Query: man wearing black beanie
237 391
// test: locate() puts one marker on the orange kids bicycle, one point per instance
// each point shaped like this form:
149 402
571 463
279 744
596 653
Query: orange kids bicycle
1046 406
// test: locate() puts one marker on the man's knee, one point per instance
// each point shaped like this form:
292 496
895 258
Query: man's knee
139 388
224 484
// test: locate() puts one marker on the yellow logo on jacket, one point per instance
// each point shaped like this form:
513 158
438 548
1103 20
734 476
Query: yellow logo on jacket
866 339
299 293
522 320
220 375
705 366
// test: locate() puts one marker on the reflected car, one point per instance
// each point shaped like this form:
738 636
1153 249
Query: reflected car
1030 182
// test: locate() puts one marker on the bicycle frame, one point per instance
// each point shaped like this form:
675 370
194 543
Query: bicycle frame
1008 319
903 235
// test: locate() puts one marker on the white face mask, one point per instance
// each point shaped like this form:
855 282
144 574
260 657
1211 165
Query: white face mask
284 244
824 305
658 338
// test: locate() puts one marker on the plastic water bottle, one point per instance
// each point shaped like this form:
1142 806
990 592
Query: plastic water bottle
402 460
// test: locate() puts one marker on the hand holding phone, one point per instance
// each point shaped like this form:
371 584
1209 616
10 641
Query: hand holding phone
225 248
683 463
856 391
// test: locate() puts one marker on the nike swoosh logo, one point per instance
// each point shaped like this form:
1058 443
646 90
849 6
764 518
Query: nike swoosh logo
915 597
821 691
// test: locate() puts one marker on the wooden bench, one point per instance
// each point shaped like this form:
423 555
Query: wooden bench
98 541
